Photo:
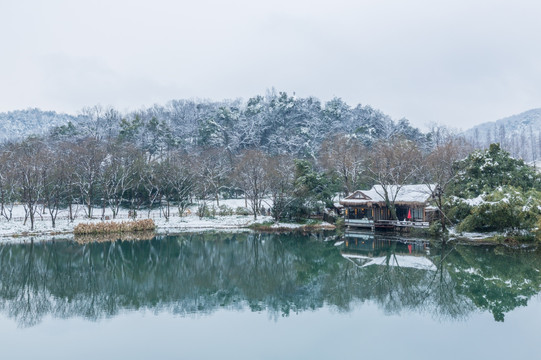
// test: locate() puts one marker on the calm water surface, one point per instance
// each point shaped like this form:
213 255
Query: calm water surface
268 296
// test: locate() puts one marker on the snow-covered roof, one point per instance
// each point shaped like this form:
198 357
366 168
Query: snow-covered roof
417 194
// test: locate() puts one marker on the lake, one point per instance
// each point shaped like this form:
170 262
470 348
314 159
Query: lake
268 296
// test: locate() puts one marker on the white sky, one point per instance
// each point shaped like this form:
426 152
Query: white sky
458 63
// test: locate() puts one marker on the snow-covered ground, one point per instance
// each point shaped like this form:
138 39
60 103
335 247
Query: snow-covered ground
473 236
189 220
16 230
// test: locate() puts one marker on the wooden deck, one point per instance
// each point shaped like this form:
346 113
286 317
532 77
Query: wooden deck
359 223
386 224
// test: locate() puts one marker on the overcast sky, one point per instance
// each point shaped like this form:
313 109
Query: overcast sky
458 63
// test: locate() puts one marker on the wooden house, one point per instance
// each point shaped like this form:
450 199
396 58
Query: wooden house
368 208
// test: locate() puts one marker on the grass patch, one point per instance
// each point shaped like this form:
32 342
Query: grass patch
264 226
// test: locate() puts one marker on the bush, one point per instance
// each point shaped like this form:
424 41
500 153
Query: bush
225 210
203 210
510 211
435 229
340 224
458 211
243 211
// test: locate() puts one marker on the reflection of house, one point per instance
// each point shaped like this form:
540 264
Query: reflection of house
365 250
374 245
369 208
403 261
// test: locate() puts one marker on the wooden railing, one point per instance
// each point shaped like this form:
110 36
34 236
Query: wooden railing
386 223
398 223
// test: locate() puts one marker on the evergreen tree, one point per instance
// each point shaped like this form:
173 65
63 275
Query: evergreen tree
485 170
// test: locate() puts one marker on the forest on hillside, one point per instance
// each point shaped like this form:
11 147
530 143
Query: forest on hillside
520 135
275 123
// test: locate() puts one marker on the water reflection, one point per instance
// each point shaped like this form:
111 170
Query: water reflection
281 274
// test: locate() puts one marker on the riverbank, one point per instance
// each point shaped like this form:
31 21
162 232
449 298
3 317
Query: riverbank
523 239
16 230
512 241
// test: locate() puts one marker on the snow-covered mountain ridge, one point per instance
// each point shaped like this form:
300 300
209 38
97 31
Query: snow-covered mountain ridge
513 123
519 134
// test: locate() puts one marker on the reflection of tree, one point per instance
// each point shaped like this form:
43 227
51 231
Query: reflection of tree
200 273
396 286
443 292
496 279
28 302
465 278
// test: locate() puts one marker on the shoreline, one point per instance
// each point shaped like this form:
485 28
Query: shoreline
15 231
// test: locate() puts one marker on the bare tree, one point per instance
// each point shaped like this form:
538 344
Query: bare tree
165 172
68 155
8 184
281 177
393 163
150 181
251 175
118 174
539 142
95 116
29 164
345 156
522 149
502 136
90 155
182 180
489 137
55 177
214 168
438 172
111 122
475 140
438 134
533 145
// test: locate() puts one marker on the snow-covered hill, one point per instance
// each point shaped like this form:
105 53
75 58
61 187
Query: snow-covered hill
18 124
519 134
275 123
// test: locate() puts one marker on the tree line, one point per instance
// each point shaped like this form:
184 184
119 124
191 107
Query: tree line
48 174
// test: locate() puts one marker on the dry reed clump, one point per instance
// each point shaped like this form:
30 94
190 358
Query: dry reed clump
114 227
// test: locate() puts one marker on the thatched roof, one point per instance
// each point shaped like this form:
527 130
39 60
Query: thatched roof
414 195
